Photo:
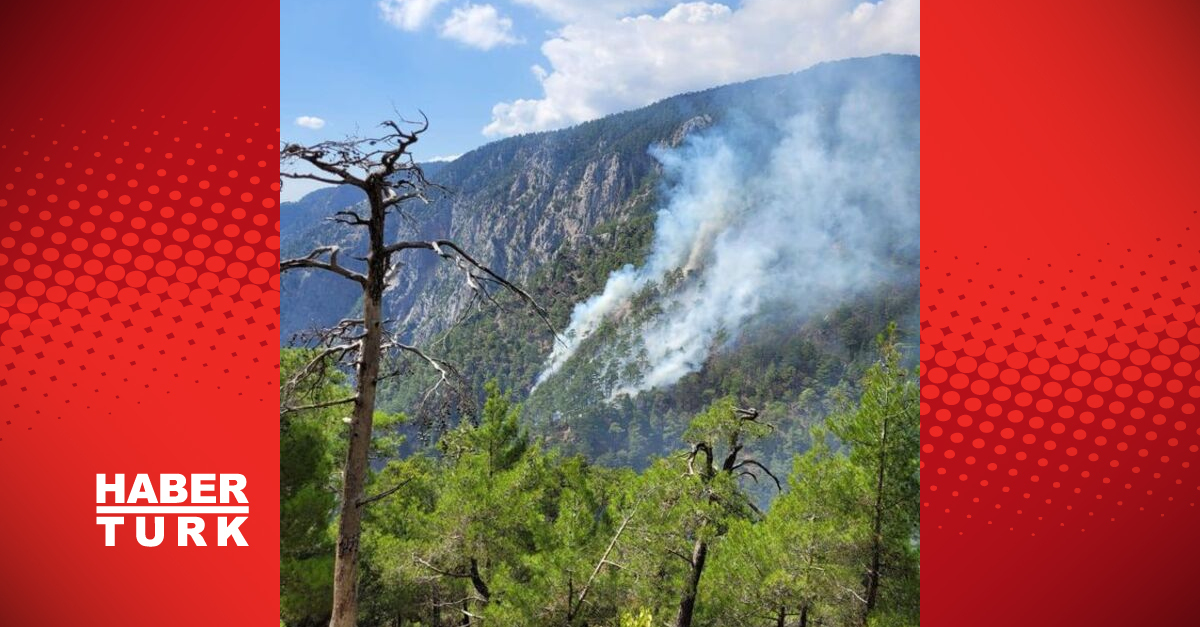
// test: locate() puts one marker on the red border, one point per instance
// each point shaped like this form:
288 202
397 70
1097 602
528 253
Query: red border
139 305
1059 332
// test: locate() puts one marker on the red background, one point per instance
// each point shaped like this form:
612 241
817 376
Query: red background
139 304
1059 248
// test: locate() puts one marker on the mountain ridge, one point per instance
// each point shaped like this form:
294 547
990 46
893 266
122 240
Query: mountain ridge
558 212
562 191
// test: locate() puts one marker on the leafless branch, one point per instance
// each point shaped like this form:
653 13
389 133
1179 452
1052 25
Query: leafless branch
383 495
750 414
852 592
349 217
297 408
367 162
308 373
681 556
700 447
751 462
332 265
442 572
476 274
311 177
599 565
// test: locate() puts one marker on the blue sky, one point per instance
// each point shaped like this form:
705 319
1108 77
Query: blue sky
483 70
344 64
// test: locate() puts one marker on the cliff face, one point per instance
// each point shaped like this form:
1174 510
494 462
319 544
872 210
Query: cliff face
517 202
511 204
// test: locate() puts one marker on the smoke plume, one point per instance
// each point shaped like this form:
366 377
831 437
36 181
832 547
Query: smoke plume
796 216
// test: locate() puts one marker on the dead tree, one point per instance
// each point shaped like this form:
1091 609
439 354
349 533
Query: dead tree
382 167
707 470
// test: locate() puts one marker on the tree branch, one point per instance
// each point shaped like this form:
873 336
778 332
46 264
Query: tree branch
444 573
316 365
697 448
751 462
475 273
349 217
311 177
571 612
382 495
311 261
341 401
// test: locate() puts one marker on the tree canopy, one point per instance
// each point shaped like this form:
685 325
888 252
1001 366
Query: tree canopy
495 526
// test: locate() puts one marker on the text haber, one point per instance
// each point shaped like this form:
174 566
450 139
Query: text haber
210 494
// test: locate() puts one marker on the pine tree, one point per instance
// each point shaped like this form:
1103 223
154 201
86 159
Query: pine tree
883 433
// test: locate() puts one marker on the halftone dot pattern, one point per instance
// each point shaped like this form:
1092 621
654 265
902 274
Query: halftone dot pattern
136 252
1057 397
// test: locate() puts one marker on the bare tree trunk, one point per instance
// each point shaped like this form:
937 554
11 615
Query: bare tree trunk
382 167
687 606
804 616
345 577
781 618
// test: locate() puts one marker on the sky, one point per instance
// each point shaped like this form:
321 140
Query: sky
483 70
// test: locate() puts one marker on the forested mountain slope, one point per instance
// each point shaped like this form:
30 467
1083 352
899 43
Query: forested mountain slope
789 166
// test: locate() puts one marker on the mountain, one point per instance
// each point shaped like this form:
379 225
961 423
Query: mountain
559 212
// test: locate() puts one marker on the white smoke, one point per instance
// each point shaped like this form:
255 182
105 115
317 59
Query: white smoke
799 220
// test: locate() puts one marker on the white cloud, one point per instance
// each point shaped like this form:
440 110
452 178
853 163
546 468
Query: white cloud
442 159
479 26
408 15
694 13
600 65
308 121
580 10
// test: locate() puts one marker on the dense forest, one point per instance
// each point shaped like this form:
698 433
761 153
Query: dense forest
495 526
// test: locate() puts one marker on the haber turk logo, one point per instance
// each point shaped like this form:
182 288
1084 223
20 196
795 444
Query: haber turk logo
192 501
